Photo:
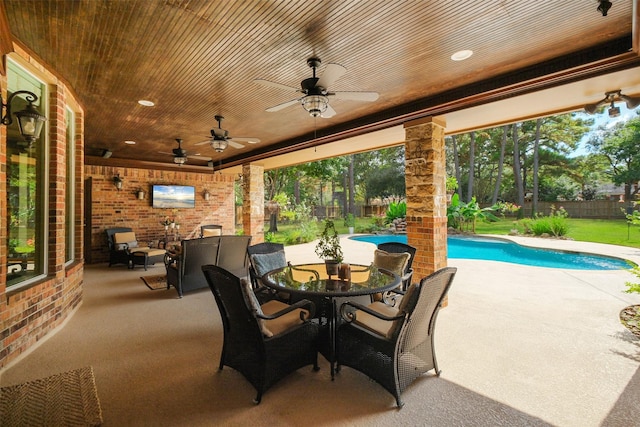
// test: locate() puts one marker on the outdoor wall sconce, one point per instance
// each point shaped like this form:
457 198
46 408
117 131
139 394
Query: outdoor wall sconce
30 120
611 97
141 194
604 7
117 181
206 195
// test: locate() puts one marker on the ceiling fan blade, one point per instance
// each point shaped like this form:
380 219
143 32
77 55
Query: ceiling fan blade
276 85
245 139
329 112
198 157
283 105
356 96
206 141
234 144
592 108
331 73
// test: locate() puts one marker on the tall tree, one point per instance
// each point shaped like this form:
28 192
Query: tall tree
536 166
619 145
517 172
472 161
498 183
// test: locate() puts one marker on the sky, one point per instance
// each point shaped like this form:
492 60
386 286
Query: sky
603 119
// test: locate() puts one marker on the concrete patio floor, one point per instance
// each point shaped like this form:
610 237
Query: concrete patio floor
547 342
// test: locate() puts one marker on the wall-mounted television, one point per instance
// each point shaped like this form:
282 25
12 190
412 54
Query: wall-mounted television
173 196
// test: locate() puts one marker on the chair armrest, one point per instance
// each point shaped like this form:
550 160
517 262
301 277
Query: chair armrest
314 272
298 305
350 316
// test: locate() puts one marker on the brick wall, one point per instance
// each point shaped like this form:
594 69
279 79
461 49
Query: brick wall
29 313
113 208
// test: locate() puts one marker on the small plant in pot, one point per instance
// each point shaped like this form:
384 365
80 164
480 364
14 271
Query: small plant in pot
329 249
350 222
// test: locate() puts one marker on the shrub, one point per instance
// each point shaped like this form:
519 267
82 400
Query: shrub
396 210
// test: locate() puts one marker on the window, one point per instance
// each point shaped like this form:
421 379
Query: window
70 187
26 185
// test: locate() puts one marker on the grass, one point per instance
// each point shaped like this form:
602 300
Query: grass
610 231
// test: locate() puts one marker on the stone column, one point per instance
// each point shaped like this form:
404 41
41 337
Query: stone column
253 202
425 177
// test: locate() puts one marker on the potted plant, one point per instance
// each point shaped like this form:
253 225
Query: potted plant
329 249
350 222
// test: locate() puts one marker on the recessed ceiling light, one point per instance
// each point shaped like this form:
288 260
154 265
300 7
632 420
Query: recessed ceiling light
146 103
130 142
461 55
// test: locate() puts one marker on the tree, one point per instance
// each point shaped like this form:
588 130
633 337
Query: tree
619 145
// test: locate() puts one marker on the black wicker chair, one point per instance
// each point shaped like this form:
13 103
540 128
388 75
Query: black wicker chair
117 255
393 346
247 348
397 247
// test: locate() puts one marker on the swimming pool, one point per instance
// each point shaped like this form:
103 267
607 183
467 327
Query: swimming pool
487 248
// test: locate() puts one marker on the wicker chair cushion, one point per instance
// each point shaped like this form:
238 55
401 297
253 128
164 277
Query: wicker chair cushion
210 232
384 327
272 327
264 263
282 323
372 323
253 304
394 262
125 237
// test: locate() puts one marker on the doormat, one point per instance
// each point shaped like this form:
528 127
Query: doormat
65 399
156 282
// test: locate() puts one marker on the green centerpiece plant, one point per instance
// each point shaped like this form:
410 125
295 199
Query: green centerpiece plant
328 247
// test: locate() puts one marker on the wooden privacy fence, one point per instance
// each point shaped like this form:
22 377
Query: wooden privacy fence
598 209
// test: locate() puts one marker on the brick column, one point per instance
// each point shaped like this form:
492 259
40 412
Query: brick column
253 202
425 177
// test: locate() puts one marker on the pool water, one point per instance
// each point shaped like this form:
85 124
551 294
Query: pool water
506 251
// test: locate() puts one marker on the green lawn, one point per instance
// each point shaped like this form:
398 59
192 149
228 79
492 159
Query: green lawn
615 232
611 231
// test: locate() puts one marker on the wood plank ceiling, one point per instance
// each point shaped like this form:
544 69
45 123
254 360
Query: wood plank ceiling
196 59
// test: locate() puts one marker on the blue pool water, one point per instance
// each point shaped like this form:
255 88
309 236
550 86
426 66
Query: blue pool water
506 251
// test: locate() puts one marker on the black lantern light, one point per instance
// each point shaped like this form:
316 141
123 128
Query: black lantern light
30 120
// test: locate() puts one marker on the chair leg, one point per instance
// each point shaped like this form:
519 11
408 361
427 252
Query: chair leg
258 398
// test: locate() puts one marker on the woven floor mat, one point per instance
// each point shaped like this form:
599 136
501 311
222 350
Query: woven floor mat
155 282
65 399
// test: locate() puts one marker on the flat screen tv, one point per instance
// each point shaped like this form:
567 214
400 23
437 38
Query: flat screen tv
173 196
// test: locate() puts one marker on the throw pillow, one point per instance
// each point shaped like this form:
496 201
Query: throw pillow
210 232
253 305
394 262
264 263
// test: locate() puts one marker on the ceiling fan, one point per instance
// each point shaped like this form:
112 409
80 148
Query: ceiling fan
220 138
180 154
316 91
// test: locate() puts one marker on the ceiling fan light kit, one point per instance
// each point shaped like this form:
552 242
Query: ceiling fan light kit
220 138
179 154
611 98
315 104
315 90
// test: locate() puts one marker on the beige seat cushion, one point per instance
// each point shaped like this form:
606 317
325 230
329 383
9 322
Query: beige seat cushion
273 327
282 323
149 251
381 327
126 237
210 232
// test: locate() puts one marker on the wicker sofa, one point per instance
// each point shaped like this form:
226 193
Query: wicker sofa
184 266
